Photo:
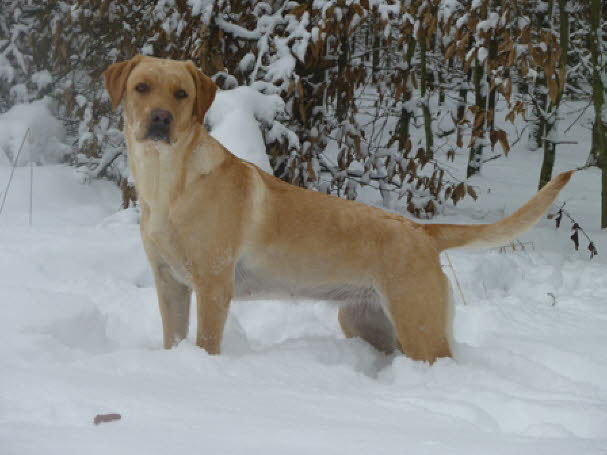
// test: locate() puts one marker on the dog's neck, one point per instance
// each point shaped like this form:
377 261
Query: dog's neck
162 171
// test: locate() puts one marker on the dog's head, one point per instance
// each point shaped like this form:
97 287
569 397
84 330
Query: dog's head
162 98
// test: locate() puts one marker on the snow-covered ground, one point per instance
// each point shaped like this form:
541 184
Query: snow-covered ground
81 335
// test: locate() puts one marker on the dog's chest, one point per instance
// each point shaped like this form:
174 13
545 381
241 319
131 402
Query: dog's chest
167 243
154 176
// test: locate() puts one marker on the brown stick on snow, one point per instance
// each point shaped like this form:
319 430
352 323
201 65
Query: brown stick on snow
102 418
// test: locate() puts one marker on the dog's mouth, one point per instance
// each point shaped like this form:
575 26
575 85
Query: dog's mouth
158 133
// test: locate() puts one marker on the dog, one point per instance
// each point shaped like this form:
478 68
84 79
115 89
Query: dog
220 226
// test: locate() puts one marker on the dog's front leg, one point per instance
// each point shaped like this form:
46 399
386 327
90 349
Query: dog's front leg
173 298
174 302
213 297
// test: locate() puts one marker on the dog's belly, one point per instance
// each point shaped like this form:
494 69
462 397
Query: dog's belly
255 284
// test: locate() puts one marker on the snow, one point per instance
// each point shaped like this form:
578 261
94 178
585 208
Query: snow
461 21
203 8
234 120
42 79
297 30
44 142
81 335
447 8
386 11
482 54
7 71
247 62
489 24
18 93
284 65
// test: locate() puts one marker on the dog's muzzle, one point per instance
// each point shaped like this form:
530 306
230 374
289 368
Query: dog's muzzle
159 128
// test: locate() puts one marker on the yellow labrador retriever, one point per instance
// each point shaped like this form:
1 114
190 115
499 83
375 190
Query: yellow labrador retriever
220 226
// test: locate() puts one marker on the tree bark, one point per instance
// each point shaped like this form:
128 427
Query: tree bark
405 114
598 99
553 112
478 130
426 101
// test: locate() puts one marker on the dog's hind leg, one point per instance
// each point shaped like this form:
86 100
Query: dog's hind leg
368 321
213 296
422 313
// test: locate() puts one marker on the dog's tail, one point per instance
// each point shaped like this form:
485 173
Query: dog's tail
486 235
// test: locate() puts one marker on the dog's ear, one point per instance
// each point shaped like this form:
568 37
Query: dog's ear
205 92
115 79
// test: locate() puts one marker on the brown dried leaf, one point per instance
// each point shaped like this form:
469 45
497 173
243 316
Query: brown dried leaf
553 90
450 50
478 120
502 137
510 117
472 193
459 142
507 89
458 193
576 240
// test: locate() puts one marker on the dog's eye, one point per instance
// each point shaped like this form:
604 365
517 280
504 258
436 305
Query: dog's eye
179 94
142 87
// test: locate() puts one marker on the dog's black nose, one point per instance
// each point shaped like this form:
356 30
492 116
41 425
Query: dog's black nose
160 117
159 126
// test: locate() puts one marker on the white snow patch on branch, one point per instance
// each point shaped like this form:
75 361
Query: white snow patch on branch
234 120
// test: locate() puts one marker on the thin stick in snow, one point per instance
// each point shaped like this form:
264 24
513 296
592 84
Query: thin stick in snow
10 178
31 184
456 280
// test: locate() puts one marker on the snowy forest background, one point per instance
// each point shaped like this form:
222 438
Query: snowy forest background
373 94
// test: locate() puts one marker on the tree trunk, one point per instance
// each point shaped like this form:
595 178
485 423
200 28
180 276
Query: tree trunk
462 103
441 83
478 130
493 91
342 101
547 163
598 99
553 114
376 44
537 132
593 157
405 113
426 101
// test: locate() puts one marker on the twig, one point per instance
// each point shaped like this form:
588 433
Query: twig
31 206
10 178
456 280
545 139
550 294
494 157
578 117
577 228
586 166
513 245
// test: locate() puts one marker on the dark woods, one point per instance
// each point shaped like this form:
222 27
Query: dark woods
379 94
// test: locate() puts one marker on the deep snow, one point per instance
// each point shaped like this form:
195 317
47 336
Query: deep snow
81 335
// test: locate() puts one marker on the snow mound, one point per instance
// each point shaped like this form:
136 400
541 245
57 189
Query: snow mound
44 142
234 120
